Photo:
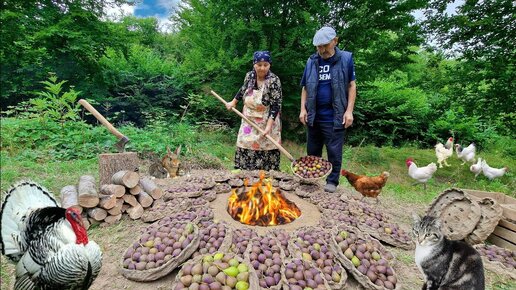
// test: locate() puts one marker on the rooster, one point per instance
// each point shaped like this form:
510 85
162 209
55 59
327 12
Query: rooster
420 174
477 167
367 185
49 243
444 152
466 154
492 173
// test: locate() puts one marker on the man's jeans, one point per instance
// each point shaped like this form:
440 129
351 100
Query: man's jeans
323 134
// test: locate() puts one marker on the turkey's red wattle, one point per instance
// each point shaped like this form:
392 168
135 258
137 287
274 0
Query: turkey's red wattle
78 228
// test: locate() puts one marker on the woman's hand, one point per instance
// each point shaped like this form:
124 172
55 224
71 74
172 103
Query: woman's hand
231 104
268 128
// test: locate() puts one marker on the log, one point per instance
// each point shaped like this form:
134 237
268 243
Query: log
107 201
135 190
69 198
135 212
118 207
93 222
86 223
97 213
87 192
113 189
130 199
151 188
125 207
126 178
144 199
110 163
111 219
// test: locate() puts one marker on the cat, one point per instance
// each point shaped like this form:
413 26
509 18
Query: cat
445 264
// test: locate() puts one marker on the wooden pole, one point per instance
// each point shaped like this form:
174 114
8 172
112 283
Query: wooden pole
283 150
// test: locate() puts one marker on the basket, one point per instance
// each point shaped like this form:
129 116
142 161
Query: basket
310 180
458 213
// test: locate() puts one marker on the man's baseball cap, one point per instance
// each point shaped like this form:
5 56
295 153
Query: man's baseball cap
324 36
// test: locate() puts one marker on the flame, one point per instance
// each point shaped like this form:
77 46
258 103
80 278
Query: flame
261 205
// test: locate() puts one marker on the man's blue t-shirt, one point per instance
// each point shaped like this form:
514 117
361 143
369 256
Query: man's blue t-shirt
324 112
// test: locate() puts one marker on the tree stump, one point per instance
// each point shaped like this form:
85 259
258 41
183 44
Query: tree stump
110 163
126 178
69 198
87 192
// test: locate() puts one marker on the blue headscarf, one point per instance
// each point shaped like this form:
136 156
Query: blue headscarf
262 55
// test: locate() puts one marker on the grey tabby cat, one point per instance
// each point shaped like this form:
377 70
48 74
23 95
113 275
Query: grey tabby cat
445 264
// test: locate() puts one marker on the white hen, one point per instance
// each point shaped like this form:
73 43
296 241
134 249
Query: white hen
477 167
492 173
444 152
420 174
466 154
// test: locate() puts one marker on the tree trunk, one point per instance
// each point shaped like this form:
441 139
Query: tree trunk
113 189
110 163
69 198
97 213
151 188
144 199
107 201
135 212
126 178
87 192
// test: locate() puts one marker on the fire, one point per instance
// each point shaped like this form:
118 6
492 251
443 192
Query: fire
261 205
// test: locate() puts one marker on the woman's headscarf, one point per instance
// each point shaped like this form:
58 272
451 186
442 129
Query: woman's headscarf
258 56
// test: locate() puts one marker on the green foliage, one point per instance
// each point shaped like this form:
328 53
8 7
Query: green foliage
390 112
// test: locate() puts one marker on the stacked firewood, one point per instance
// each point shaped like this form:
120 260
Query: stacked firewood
127 193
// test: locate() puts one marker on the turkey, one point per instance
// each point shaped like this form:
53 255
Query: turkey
49 244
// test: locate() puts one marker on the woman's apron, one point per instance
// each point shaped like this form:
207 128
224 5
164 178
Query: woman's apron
249 137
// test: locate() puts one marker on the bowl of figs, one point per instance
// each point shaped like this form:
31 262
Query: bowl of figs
311 168
220 271
159 250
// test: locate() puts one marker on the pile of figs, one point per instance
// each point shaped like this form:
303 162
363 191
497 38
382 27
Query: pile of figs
266 257
220 271
186 189
211 238
301 274
312 246
498 254
241 238
365 259
158 246
161 209
311 167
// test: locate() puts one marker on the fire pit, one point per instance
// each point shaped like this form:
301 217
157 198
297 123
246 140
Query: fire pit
261 205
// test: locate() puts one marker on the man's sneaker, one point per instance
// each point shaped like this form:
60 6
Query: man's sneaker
330 187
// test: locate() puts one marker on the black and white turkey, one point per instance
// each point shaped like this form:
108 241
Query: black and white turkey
48 243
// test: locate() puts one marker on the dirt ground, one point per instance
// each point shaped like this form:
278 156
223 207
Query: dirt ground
114 241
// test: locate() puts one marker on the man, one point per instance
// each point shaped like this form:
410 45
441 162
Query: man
327 100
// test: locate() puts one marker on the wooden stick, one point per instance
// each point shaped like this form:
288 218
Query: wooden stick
283 150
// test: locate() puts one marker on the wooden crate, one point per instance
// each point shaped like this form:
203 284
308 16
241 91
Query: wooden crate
504 235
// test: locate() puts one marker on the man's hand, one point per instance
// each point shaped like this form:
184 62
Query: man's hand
303 116
348 119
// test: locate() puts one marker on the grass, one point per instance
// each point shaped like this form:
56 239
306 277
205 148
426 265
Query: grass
214 148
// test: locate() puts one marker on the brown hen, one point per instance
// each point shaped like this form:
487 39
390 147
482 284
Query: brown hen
369 186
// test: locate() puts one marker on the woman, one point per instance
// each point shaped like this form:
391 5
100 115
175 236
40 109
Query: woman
261 93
